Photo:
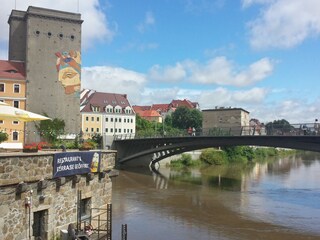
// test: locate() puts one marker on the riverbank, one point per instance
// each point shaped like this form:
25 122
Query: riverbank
214 156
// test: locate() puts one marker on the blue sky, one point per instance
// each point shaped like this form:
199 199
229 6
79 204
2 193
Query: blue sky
260 55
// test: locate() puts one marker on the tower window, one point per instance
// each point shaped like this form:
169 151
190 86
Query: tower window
16 88
72 37
60 35
49 34
37 32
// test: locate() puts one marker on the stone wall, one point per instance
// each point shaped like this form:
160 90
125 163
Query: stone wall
27 189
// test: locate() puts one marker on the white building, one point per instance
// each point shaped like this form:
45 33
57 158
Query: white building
108 114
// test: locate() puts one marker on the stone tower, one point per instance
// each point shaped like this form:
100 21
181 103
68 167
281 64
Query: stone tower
49 42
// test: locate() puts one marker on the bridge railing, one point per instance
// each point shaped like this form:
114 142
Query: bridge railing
299 129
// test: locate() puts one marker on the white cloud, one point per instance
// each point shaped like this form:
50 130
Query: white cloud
284 23
114 80
3 54
255 100
169 73
148 21
223 97
95 26
217 70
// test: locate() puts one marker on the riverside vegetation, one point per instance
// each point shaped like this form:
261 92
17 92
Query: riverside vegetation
229 155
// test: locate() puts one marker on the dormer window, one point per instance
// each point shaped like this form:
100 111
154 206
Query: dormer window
95 109
117 109
109 109
11 71
128 110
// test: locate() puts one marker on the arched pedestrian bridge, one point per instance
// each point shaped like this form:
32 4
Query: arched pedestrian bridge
160 147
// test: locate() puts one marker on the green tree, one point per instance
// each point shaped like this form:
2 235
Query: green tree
278 127
97 138
183 118
3 137
51 129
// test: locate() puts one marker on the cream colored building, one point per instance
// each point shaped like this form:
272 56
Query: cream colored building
229 120
12 92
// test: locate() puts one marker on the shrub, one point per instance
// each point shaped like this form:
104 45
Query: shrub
3 137
184 161
213 157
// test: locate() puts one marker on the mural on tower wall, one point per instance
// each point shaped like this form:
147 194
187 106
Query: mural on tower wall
69 68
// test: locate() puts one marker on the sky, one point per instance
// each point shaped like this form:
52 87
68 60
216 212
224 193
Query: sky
259 55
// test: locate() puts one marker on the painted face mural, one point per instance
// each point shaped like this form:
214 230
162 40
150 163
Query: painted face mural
69 69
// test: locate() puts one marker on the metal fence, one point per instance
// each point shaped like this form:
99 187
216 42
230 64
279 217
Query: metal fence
299 129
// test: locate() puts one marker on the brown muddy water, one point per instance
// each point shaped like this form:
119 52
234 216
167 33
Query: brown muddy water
275 200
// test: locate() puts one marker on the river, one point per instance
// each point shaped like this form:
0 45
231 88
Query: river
278 199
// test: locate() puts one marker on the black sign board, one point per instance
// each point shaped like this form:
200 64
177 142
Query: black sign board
73 163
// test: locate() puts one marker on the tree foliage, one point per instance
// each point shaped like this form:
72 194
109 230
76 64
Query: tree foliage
183 118
50 129
278 127
3 137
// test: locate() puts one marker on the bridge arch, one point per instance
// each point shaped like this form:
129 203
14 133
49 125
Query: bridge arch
160 148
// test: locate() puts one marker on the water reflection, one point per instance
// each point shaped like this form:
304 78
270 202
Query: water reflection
272 200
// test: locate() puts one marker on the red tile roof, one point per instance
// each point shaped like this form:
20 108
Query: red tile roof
12 70
182 103
90 98
149 113
141 108
160 107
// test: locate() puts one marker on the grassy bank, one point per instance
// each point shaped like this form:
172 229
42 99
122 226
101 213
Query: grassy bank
229 155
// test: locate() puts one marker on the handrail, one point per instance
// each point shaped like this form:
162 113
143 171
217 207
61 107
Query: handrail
298 129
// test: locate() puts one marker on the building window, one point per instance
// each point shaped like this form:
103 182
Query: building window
124 130
16 88
107 119
111 119
115 130
131 120
98 119
85 206
87 119
92 130
119 119
16 104
87 129
1 121
111 130
124 120
15 136
2 87
98 130
116 119
106 130
92 119
15 122
119 130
